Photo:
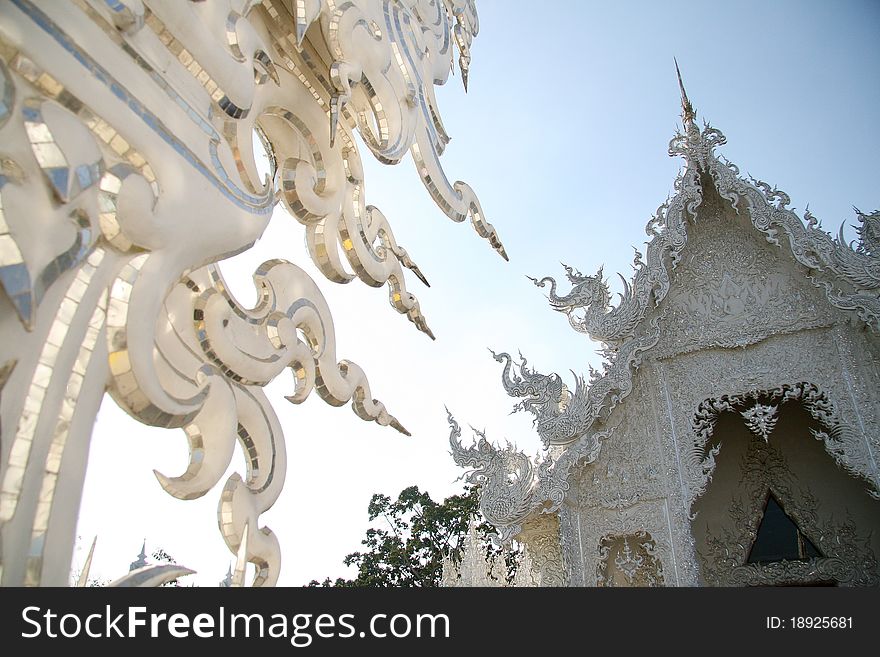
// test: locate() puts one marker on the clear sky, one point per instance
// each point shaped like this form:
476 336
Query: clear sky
563 135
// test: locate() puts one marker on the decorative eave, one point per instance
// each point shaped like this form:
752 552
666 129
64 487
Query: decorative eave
515 487
849 275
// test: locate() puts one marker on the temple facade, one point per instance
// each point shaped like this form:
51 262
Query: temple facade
731 437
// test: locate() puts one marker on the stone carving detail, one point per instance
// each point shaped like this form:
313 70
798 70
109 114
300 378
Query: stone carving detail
686 381
590 294
647 518
732 289
628 469
562 416
761 420
848 274
842 441
128 171
834 267
633 556
869 245
569 545
847 555
753 301
540 536
516 487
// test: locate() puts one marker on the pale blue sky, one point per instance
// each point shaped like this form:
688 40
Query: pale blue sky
563 136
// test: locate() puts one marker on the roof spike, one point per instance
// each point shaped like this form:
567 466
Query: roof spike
141 561
688 113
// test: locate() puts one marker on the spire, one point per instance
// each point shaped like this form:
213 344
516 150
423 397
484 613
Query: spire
142 558
688 113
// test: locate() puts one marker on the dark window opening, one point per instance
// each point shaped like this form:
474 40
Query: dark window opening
779 538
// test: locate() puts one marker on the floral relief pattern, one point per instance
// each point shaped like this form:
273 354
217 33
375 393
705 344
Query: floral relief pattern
631 556
646 519
846 554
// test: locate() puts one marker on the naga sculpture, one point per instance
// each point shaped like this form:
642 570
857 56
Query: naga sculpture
847 276
848 273
588 306
128 170
513 485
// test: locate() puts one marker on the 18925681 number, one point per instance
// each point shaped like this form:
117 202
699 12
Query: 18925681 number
820 622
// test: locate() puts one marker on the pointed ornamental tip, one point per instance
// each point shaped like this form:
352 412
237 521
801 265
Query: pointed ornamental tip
688 113
84 575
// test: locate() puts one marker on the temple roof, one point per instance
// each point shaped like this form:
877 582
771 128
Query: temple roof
571 423
848 275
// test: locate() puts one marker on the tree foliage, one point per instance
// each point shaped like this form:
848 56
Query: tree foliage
413 535
161 555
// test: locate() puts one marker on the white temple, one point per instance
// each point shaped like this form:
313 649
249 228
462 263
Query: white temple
740 396
733 434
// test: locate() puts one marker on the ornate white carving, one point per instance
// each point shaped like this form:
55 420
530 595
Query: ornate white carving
847 557
831 265
634 557
841 440
540 536
590 294
731 288
594 525
738 305
127 171
563 417
514 486
628 469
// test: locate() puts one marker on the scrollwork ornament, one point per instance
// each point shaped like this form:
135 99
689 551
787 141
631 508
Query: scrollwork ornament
513 486
842 441
599 530
761 419
562 416
631 555
846 555
128 172
738 305
541 538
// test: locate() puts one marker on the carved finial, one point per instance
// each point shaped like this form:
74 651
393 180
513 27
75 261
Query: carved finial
688 113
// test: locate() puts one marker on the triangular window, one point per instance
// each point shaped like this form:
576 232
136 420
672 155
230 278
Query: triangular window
779 538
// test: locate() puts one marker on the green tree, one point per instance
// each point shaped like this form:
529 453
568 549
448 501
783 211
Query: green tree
415 533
